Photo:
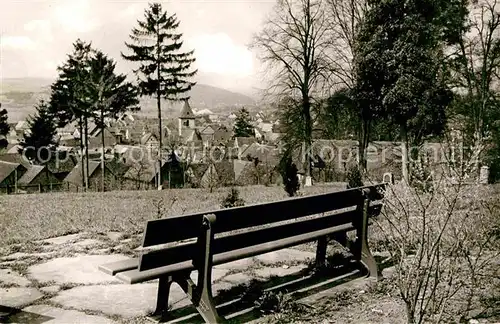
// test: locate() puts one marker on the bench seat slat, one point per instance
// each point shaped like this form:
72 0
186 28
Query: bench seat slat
176 254
183 227
113 268
136 276
251 237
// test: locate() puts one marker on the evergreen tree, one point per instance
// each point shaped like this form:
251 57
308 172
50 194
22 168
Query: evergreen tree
242 126
399 65
289 173
68 101
38 144
109 93
164 70
4 128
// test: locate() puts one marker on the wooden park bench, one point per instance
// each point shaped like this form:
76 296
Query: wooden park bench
249 231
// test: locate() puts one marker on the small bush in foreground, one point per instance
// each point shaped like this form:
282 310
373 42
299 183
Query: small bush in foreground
290 177
443 247
354 178
232 199
272 303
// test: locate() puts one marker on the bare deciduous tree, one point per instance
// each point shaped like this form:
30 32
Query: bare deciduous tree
476 63
293 46
444 247
344 17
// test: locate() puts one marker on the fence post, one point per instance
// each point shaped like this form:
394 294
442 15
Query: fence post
40 188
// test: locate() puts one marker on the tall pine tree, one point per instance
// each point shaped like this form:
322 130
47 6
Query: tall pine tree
242 126
39 144
110 94
164 70
68 102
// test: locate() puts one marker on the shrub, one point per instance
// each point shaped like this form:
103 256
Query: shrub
421 176
354 178
272 303
443 247
290 178
232 199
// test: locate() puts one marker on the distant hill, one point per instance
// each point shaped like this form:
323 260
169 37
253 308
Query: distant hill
21 94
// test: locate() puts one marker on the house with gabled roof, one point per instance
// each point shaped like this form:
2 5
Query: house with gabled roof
13 148
244 141
203 175
21 127
207 134
10 173
190 135
222 135
61 164
142 174
75 183
15 158
149 139
38 178
244 173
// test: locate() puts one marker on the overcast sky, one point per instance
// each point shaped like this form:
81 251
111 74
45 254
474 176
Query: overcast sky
36 35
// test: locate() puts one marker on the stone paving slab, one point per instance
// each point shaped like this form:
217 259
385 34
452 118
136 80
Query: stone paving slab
78 270
285 255
22 255
124 300
18 297
10 277
115 236
62 239
50 289
88 243
52 315
278 271
238 278
216 274
238 265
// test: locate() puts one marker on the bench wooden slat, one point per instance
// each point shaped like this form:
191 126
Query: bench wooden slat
136 276
187 226
185 252
235 241
113 268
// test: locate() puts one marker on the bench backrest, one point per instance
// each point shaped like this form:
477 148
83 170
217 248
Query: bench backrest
245 218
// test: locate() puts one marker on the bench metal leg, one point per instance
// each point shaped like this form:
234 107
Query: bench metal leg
321 252
163 294
201 294
364 250
201 297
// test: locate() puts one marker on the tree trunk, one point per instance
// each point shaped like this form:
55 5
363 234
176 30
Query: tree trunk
80 124
86 153
363 145
102 142
410 316
158 102
404 155
306 106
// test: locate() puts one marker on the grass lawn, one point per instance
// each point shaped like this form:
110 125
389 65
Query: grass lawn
24 218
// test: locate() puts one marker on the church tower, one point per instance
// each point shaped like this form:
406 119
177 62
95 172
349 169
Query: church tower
187 118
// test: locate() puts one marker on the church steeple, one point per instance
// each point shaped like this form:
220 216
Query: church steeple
187 112
187 117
